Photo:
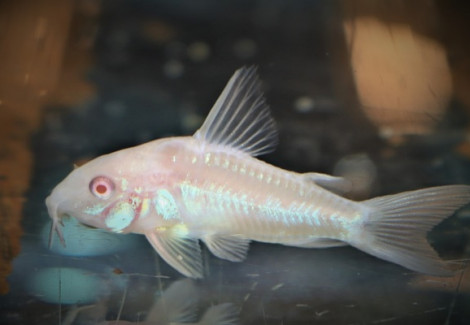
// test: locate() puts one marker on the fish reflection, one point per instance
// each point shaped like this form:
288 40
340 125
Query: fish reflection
178 304
68 285
83 240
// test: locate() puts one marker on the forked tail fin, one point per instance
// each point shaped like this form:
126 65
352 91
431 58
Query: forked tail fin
396 226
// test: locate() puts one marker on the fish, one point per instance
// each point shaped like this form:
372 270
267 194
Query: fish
178 304
210 187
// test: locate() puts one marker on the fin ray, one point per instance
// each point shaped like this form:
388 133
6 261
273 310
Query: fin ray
240 117
397 226
184 254
232 248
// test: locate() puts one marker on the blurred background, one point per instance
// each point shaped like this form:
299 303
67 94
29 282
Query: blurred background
375 91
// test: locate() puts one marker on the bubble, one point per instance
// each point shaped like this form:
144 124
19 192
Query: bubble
304 104
198 51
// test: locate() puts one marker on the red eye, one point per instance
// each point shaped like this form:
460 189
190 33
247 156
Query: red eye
101 187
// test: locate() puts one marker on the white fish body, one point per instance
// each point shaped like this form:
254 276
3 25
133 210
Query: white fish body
209 187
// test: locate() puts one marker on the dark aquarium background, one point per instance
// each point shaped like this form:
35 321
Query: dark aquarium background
374 91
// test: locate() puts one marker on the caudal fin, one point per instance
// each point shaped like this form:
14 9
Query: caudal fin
396 227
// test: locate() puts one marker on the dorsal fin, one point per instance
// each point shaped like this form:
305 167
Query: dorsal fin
240 117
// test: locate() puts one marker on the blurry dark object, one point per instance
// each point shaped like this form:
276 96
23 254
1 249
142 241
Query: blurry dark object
33 50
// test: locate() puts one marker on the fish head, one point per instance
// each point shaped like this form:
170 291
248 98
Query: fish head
97 194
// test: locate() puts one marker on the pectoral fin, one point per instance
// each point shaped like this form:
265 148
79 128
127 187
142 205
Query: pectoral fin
232 247
184 254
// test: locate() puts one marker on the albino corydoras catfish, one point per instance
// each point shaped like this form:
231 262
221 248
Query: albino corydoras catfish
177 191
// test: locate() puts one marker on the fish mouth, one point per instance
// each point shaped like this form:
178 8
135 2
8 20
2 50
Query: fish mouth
57 223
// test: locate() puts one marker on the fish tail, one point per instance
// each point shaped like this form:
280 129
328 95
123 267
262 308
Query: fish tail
223 314
395 227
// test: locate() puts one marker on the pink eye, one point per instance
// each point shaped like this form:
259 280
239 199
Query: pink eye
101 187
